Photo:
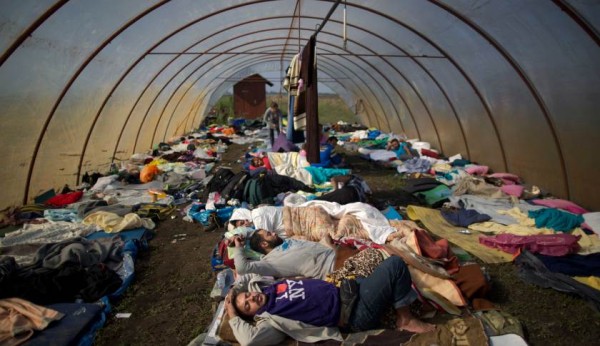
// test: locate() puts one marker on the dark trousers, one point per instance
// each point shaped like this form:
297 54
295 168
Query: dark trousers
272 134
389 284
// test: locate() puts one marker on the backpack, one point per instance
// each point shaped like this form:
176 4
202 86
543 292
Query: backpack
235 186
257 191
218 182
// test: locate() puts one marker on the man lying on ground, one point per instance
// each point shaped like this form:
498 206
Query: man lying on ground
284 258
309 310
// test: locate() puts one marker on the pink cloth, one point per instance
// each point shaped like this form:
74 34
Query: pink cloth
513 190
546 244
507 178
561 204
477 170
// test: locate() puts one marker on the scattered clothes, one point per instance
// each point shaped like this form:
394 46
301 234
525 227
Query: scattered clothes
513 190
436 196
477 170
545 244
321 175
419 184
492 206
49 232
415 165
592 220
592 281
507 178
498 322
79 324
112 223
533 271
464 217
573 265
436 224
491 228
476 186
560 204
458 331
69 215
64 199
20 318
557 220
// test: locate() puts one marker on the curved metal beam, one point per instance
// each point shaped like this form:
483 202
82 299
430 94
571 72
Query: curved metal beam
166 104
70 83
33 27
134 64
524 78
230 57
321 67
453 62
579 19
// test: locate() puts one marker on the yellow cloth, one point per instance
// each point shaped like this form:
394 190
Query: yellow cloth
592 281
522 218
112 223
291 164
589 243
497 228
436 224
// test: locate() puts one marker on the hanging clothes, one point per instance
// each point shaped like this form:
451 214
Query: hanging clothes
308 73
293 76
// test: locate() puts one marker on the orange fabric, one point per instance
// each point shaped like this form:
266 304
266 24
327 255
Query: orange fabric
230 131
472 282
20 318
437 250
148 172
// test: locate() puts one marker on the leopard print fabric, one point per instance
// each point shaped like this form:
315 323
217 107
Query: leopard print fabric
360 265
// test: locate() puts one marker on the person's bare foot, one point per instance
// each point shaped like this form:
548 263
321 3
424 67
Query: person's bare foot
415 326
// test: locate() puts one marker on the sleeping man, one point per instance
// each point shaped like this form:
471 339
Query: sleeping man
310 310
284 258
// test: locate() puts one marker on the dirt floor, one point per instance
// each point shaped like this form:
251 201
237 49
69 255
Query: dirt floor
170 305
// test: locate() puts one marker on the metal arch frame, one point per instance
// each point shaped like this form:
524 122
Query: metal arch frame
30 29
453 62
362 29
296 8
218 92
164 39
391 84
230 57
579 19
261 61
524 78
68 85
178 30
359 90
382 88
134 64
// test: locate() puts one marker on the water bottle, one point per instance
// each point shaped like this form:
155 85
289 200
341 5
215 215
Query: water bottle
221 278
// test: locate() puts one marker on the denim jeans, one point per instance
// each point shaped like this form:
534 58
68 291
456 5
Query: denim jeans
389 284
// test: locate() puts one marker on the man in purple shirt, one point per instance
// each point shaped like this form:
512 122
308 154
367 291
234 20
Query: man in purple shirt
317 303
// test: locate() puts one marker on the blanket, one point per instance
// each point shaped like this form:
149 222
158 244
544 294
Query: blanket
291 164
313 219
435 223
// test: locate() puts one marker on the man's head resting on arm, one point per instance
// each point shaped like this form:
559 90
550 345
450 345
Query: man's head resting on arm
264 241
247 304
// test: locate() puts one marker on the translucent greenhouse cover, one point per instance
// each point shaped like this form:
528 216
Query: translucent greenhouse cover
511 84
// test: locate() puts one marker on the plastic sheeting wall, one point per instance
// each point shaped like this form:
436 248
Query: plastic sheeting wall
513 84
